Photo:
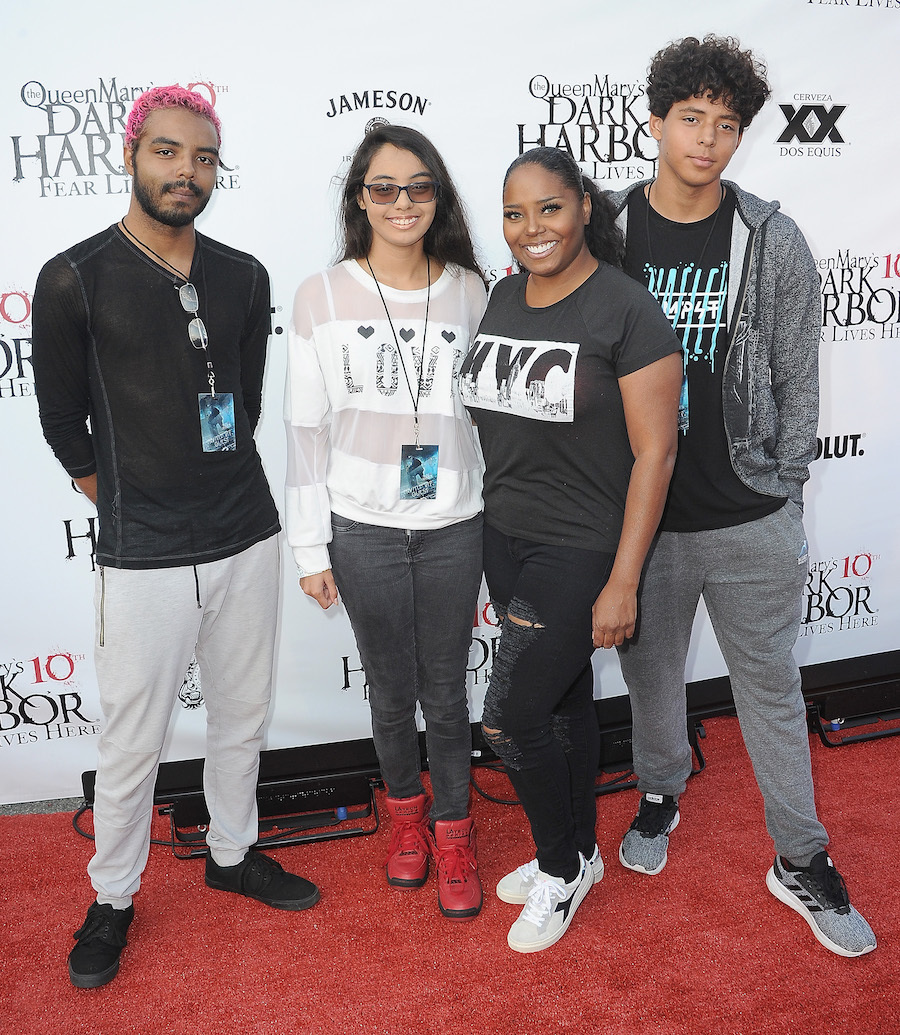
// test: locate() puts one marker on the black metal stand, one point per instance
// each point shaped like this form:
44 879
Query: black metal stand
279 828
627 779
823 727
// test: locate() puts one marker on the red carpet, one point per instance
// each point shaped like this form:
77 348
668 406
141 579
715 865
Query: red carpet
701 948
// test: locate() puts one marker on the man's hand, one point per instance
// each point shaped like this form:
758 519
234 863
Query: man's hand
88 486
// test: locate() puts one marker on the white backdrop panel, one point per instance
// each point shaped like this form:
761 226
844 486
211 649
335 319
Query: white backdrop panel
295 86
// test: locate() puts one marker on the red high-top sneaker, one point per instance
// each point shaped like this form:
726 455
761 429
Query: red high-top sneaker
459 887
410 848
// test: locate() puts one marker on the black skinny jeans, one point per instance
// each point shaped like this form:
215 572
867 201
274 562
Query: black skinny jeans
540 699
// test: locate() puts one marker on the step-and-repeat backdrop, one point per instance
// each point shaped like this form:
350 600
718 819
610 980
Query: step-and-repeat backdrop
296 86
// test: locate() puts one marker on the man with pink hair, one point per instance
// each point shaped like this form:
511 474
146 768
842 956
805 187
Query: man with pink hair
149 351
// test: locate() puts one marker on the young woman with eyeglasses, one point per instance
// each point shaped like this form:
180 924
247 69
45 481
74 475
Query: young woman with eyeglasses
573 380
384 484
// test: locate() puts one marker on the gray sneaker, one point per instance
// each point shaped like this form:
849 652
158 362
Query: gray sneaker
645 847
818 893
515 887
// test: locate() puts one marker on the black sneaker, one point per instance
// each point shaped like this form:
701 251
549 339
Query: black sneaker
100 940
257 876
645 846
818 893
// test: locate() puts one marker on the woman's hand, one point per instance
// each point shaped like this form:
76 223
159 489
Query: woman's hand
613 615
650 400
320 587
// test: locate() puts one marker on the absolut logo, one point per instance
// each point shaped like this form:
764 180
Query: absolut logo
837 447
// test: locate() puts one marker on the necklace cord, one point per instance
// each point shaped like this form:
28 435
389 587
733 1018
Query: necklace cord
712 229
414 398
210 373
156 255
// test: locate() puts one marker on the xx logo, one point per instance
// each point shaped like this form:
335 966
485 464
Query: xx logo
802 123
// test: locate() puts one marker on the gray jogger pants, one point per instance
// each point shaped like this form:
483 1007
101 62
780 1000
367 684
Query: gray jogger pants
149 622
751 578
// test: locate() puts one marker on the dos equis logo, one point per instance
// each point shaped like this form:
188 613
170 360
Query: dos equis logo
811 128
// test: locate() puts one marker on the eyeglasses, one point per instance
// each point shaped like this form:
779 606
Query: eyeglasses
419 193
190 303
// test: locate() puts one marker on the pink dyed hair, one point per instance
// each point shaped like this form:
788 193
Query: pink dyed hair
167 97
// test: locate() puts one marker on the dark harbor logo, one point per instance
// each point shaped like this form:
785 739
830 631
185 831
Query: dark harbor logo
16 375
39 701
860 297
81 538
482 651
838 595
377 100
73 146
602 124
874 4
811 130
485 642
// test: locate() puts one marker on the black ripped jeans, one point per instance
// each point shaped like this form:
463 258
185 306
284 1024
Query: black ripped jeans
541 695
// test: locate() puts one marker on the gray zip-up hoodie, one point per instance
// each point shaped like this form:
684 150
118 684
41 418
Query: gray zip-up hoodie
770 387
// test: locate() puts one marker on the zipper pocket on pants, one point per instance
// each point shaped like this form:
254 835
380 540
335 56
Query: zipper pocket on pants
102 603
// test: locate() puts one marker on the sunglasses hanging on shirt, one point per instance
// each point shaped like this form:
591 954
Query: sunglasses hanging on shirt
216 411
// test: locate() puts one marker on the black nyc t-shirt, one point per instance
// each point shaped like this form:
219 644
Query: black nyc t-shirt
686 267
543 387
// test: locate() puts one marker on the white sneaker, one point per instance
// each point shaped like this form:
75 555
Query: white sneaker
515 887
549 910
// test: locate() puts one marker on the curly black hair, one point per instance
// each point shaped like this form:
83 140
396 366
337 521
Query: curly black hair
716 68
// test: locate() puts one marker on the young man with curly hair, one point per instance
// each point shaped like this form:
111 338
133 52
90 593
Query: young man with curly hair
738 282
152 416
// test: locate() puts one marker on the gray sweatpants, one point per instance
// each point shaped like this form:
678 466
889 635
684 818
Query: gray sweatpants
149 623
751 578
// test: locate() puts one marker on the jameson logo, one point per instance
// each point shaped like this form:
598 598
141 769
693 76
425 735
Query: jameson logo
860 297
75 146
365 100
601 123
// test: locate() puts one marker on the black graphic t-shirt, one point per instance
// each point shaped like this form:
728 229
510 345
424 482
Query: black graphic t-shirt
542 385
685 266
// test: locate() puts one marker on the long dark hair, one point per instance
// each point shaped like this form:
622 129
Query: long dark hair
604 239
447 239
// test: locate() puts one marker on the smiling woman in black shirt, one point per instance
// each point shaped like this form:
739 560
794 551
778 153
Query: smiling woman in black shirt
573 380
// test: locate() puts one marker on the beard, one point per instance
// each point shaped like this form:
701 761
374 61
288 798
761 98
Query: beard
151 200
